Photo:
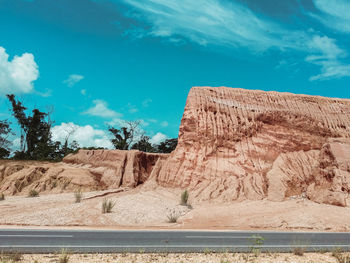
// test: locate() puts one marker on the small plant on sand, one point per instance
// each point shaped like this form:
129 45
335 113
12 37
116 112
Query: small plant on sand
64 256
184 198
298 248
10 257
54 184
257 242
107 206
298 251
78 196
341 257
172 216
33 193
336 251
2 197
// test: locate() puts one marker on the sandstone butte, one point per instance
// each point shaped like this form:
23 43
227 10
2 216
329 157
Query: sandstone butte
233 145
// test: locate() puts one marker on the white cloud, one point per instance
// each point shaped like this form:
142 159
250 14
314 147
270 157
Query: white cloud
73 79
230 24
132 108
164 124
212 22
328 57
159 137
146 102
336 14
86 135
17 75
101 110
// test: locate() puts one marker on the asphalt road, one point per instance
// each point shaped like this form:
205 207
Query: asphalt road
91 241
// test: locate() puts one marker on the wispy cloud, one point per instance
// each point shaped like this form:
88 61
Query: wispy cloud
213 22
146 103
73 79
164 124
132 108
100 109
233 25
335 14
328 57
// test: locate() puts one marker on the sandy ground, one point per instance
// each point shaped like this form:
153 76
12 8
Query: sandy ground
195 258
142 209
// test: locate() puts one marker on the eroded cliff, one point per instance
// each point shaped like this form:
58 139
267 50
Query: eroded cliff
247 144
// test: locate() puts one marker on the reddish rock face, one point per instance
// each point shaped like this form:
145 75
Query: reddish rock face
250 144
86 170
116 168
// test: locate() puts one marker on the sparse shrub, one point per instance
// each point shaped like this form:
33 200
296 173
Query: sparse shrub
64 257
341 258
65 185
33 193
298 248
298 251
11 257
2 197
78 196
172 216
107 206
54 184
207 251
257 241
184 197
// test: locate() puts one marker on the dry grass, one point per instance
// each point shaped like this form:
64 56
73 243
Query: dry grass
172 216
11 257
107 206
33 193
78 196
184 197
64 256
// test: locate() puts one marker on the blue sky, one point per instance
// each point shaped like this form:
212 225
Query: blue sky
100 62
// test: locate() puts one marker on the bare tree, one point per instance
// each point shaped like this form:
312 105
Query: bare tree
124 137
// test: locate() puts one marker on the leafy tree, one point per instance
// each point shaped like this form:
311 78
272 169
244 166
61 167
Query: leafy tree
143 145
123 138
36 141
167 146
5 131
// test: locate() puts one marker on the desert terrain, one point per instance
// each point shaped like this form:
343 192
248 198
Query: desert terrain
254 159
195 258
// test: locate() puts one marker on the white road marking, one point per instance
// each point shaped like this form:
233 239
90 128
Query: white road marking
219 237
170 246
36 236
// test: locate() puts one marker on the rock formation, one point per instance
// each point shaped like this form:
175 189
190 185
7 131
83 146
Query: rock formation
247 144
87 170
233 144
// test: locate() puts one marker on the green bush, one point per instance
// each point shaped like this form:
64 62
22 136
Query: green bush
78 196
64 257
11 257
184 197
33 193
172 217
107 206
